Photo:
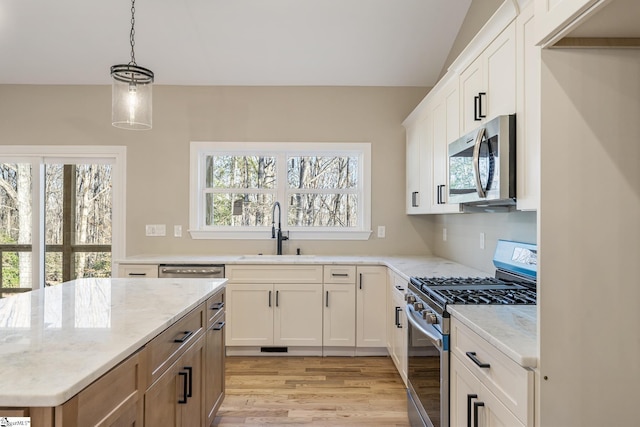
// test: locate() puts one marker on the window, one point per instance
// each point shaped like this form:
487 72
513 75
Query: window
323 189
57 214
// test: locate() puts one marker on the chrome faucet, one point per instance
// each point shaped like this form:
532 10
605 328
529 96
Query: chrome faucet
277 234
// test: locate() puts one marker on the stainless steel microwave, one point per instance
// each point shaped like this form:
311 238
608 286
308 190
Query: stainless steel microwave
482 165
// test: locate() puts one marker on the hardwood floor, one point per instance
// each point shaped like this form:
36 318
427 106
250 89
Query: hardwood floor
316 391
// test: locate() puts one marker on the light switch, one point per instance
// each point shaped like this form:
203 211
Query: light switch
382 231
177 231
155 230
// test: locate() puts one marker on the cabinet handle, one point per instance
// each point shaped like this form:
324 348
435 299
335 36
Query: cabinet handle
137 274
218 326
339 274
326 299
400 288
217 306
398 324
360 280
480 113
190 382
476 100
185 337
277 298
415 201
182 401
470 397
476 405
472 355
269 298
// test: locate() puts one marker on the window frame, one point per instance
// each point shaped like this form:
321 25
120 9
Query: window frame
38 156
200 149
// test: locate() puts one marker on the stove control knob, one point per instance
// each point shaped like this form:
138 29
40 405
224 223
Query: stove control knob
430 317
410 298
418 306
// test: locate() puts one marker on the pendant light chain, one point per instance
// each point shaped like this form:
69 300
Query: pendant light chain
133 32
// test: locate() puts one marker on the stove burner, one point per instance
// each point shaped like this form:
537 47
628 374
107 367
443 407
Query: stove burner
473 290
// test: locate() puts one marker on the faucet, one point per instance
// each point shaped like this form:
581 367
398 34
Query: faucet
277 234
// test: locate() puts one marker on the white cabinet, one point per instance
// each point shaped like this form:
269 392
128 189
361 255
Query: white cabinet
397 324
527 112
445 128
371 307
497 389
138 270
274 306
339 317
418 165
488 85
554 15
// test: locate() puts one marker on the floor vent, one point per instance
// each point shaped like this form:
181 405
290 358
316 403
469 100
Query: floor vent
274 349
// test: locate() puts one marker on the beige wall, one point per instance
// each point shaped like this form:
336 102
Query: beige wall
158 160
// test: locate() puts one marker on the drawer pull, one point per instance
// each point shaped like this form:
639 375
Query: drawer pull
137 274
470 397
339 274
218 326
472 355
183 400
185 337
217 306
476 405
398 324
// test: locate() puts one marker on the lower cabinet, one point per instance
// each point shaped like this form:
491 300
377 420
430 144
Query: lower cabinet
397 324
175 399
487 387
371 306
275 314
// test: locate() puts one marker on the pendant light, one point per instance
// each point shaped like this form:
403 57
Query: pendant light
131 94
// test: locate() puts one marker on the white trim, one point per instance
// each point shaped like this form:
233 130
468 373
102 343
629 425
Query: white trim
103 154
362 150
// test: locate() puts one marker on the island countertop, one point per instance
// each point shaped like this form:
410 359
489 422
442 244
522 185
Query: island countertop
56 341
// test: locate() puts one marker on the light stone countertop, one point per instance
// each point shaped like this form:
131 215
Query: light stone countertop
56 341
512 329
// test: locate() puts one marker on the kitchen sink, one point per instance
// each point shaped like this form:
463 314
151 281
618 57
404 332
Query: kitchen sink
275 257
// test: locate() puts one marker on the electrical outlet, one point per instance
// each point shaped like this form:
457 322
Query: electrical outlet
382 231
177 231
155 230
444 234
481 240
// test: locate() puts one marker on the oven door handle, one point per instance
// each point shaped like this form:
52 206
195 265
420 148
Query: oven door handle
437 341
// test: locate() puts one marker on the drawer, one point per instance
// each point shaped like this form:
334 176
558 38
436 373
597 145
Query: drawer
138 270
165 349
340 274
214 307
274 273
398 282
510 382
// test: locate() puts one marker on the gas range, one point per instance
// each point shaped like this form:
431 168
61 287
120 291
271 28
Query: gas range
514 283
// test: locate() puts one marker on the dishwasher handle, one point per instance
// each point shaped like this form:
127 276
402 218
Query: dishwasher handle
191 271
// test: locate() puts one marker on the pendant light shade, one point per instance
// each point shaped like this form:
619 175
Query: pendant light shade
131 91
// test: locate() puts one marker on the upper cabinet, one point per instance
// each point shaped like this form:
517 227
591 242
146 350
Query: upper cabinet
554 15
488 85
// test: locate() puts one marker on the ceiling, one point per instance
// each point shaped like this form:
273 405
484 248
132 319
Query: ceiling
230 42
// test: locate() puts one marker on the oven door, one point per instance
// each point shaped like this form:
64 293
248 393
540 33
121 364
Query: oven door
428 373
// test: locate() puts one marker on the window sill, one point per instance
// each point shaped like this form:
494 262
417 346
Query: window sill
293 234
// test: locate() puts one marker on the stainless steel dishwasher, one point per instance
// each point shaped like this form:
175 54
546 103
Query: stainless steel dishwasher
193 271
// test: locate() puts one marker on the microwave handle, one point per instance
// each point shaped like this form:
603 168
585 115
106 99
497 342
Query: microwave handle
476 162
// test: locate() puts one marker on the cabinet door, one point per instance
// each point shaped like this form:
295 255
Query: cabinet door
298 315
500 74
250 314
399 329
214 368
554 15
463 387
138 270
371 304
471 85
192 363
161 399
418 166
528 112
339 317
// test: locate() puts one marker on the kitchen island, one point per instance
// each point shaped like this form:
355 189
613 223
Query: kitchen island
58 341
